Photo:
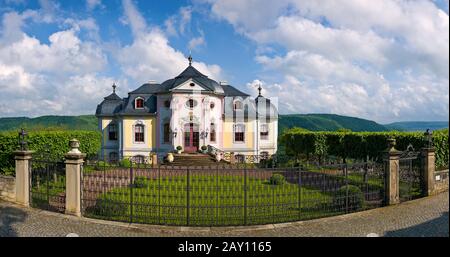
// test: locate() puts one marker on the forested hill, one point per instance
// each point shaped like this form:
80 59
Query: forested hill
84 122
417 125
327 122
313 122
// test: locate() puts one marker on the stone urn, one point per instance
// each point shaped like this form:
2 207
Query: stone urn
170 157
218 157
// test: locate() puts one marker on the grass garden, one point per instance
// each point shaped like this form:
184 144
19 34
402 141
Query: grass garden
220 200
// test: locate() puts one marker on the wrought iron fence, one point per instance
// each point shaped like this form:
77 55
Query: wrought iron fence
224 195
410 173
48 185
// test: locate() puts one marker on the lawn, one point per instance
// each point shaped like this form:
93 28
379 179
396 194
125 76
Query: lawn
212 200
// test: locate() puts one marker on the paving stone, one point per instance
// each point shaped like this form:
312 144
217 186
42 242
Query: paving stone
422 217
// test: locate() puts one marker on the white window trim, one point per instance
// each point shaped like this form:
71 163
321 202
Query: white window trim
135 103
187 106
260 130
241 102
234 133
134 133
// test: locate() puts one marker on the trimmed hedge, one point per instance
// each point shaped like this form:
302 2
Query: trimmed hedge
58 141
359 145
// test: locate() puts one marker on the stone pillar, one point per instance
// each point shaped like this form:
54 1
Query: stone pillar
23 166
392 176
428 168
74 160
154 160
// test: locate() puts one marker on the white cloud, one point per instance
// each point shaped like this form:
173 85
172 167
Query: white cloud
385 60
196 42
92 4
150 56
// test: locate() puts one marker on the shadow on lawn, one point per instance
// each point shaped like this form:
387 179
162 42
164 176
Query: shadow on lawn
8 216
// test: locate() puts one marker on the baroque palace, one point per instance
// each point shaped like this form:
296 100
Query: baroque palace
191 112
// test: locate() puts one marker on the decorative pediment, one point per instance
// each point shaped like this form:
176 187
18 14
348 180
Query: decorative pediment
190 85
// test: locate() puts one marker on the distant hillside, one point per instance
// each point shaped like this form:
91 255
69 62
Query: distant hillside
327 122
84 122
313 122
417 125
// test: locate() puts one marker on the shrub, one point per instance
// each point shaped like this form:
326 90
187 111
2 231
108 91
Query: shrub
179 148
356 199
140 182
277 179
57 142
125 163
358 145
204 147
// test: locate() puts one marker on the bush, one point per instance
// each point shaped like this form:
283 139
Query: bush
204 147
359 145
277 179
356 199
57 141
179 148
140 182
125 163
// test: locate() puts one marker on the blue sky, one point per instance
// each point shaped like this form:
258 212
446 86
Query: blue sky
382 60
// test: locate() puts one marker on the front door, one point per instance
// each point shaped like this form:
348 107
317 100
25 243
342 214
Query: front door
191 137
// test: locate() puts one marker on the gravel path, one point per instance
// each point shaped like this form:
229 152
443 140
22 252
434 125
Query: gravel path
419 218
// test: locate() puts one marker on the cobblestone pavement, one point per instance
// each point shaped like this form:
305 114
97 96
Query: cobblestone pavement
423 217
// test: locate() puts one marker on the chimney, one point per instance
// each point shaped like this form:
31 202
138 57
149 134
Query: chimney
223 82
152 81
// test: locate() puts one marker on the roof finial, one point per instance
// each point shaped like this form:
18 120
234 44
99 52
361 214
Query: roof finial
190 58
259 89
114 87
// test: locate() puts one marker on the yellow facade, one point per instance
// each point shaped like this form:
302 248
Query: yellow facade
150 131
228 136
105 123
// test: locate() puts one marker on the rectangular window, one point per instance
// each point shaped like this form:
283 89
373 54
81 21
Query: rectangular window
264 132
139 133
239 132
212 133
112 129
166 133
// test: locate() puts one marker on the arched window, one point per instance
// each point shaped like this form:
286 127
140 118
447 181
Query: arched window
139 103
237 105
112 131
212 133
166 133
139 133
113 157
239 133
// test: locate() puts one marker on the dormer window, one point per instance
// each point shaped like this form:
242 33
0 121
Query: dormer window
139 103
237 105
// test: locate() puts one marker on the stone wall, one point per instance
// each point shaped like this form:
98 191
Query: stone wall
440 181
7 188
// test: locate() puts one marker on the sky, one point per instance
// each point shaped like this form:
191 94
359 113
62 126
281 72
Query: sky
384 60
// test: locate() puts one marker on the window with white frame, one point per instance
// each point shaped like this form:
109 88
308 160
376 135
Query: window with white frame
139 133
239 133
139 103
264 131
237 105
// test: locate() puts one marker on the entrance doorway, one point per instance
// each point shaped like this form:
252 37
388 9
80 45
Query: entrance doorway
191 137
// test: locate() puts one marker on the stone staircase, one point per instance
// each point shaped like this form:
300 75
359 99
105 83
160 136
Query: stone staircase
194 159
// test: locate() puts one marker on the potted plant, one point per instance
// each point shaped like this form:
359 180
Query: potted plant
179 149
204 149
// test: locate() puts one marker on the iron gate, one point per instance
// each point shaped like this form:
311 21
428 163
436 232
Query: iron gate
48 184
410 174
